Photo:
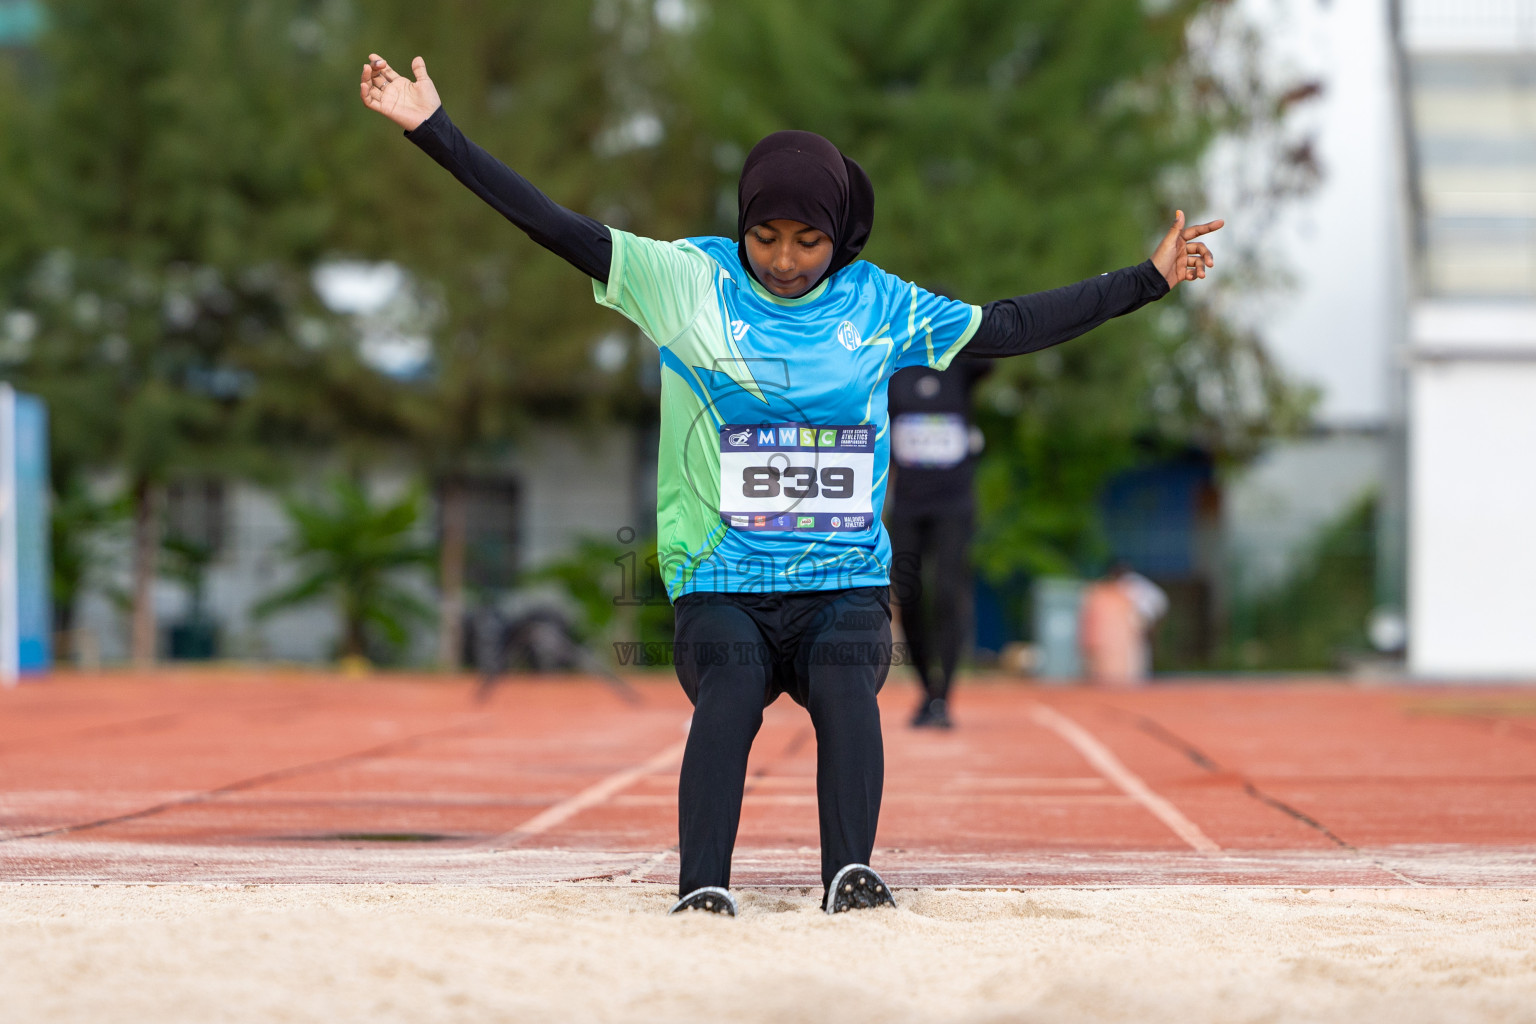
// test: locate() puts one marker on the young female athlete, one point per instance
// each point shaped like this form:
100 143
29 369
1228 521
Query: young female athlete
776 350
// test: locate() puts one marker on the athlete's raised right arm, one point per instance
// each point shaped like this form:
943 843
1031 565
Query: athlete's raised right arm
581 241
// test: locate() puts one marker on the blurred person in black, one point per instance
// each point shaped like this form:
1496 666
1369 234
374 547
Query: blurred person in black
934 446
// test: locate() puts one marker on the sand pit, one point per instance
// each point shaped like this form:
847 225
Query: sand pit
383 953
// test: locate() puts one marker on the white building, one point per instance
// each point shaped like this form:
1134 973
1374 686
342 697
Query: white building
559 486
1468 70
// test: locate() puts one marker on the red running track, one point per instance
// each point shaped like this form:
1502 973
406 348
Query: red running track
250 776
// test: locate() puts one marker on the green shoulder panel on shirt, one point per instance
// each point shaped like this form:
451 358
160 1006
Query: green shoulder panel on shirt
949 354
658 285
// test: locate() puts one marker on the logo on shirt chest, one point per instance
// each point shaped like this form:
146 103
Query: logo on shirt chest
739 329
848 335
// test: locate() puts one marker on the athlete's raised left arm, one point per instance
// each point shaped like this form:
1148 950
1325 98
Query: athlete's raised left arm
1029 323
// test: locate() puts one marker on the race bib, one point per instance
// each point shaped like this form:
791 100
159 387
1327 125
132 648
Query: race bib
921 440
788 476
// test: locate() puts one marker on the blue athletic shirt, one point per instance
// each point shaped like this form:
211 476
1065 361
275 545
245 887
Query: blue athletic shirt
775 439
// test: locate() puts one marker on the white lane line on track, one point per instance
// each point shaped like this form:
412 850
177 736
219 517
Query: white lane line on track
1102 759
648 865
597 793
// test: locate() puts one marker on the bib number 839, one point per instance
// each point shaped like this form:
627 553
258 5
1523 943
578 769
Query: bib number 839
796 482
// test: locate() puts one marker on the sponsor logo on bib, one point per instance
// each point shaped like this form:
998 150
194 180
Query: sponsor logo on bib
740 438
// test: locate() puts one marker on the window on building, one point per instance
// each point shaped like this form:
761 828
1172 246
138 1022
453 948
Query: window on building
492 526
195 514
1472 109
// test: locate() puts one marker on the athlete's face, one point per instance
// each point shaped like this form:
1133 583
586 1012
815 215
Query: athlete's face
788 256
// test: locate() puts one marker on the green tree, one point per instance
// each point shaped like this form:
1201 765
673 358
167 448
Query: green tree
352 552
174 201
174 170
1017 145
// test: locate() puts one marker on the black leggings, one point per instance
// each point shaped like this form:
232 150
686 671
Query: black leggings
830 651
941 542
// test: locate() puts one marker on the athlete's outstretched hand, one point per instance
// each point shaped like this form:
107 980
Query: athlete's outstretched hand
1179 257
404 102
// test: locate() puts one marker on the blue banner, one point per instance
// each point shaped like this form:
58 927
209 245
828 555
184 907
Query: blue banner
34 608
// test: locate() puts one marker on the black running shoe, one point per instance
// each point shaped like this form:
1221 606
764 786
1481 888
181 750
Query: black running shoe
857 887
711 899
938 714
933 714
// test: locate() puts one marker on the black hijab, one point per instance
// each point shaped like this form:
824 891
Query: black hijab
801 176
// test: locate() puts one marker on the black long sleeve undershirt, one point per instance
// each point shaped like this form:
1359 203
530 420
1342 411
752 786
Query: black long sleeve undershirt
576 238
1029 323
1009 327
